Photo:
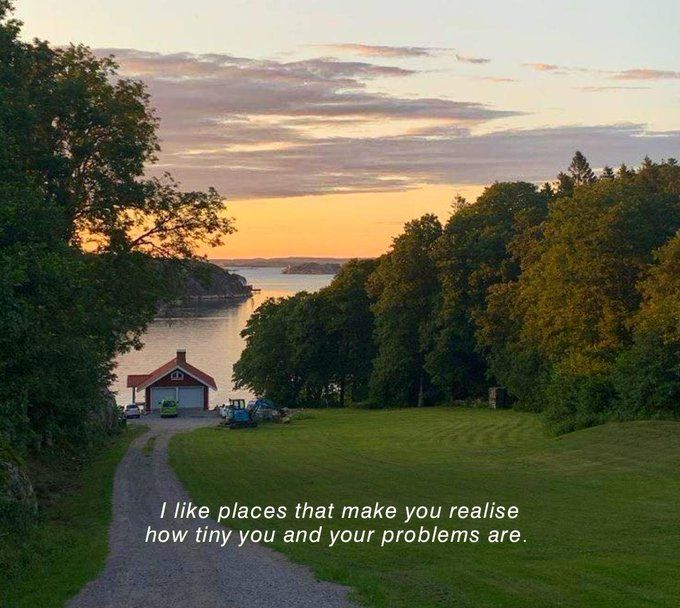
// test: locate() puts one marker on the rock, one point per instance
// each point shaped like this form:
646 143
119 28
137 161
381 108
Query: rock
18 504
212 282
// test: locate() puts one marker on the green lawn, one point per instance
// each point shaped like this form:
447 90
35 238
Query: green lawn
68 547
599 509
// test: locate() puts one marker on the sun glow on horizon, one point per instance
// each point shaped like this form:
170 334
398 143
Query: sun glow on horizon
332 225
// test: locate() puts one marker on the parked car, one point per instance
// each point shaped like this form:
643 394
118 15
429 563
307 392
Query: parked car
169 408
131 411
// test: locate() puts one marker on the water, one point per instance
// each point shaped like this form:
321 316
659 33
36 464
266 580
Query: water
210 333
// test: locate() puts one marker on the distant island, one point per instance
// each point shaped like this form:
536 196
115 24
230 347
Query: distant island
275 262
313 268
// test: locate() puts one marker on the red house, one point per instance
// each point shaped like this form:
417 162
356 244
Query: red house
177 380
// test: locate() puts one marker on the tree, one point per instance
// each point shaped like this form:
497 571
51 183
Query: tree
564 185
352 323
569 314
79 225
472 255
290 351
404 288
607 173
580 170
647 376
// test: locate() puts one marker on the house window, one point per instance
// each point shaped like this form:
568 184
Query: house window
177 375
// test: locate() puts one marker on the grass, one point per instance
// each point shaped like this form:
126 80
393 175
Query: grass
67 548
147 449
598 508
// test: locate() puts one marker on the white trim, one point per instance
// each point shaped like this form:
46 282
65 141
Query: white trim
147 383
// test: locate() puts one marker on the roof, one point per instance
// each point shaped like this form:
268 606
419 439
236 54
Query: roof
141 381
136 379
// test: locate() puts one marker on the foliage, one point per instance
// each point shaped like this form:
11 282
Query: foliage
80 225
49 562
311 349
472 255
404 287
556 294
647 376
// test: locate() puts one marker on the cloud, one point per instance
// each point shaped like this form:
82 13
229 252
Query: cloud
496 78
630 74
601 89
255 128
646 74
543 67
468 59
375 50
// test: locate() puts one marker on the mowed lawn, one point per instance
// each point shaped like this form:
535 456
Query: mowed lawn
599 509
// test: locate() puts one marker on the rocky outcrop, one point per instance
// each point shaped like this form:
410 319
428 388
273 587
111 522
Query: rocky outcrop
312 268
210 282
17 498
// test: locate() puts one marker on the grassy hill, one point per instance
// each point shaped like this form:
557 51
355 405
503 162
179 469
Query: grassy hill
598 508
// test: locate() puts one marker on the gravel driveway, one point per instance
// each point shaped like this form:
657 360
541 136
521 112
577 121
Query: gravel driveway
140 575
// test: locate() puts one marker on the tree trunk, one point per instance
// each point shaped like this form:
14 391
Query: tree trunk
421 392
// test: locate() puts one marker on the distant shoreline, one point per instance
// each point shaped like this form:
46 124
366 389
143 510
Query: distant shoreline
274 262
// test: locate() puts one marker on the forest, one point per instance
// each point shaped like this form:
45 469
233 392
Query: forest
566 294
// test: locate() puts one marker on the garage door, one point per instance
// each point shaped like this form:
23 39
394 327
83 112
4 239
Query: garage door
159 394
191 396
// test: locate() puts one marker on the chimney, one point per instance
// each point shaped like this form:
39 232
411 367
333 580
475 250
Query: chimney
181 355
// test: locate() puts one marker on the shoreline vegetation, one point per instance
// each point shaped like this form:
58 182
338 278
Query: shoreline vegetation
312 268
204 281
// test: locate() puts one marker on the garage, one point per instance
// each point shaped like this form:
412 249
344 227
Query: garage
190 396
158 395
177 380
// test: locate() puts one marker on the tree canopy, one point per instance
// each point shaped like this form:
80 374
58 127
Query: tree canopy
566 295
80 227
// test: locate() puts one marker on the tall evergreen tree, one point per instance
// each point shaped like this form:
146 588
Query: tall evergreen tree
607 173
580 170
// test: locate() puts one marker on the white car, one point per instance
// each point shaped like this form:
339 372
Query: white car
132 411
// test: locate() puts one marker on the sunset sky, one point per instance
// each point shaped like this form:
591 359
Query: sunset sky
328 124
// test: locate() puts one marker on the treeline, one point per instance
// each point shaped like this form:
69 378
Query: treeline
568 295
81 228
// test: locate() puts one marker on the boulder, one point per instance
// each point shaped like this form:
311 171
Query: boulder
18 504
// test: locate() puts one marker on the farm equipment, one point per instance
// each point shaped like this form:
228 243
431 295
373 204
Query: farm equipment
241 418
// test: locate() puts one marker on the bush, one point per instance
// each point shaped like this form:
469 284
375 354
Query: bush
647 379
577 401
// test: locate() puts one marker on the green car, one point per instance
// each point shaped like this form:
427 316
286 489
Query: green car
168 408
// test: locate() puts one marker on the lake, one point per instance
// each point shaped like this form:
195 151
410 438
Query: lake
210 333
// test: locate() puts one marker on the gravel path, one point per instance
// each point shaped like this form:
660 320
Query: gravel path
140 575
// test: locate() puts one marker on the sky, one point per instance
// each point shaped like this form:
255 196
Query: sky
327 125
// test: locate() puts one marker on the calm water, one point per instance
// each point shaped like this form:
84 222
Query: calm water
210 333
